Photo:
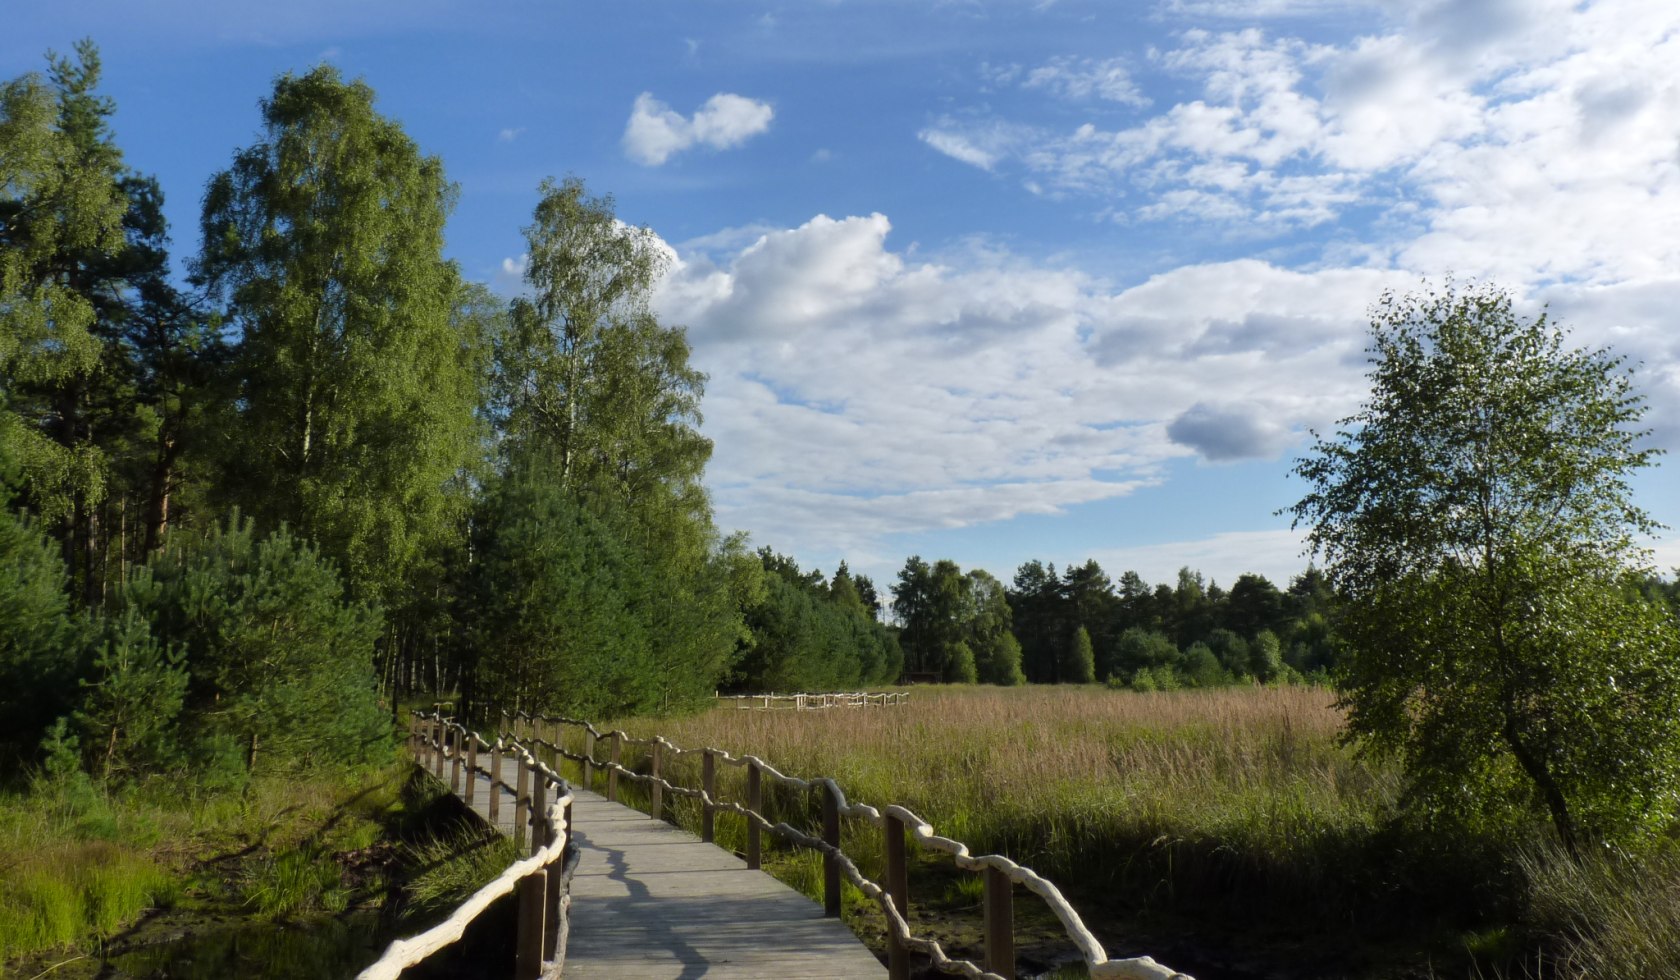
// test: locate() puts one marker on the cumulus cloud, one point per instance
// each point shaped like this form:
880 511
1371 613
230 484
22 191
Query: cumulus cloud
857 391
1223 433
656 132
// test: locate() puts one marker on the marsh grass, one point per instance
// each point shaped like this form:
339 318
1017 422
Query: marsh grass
445 868
1237 808
81 862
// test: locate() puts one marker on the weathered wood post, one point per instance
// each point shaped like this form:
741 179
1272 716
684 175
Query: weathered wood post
528 944
588 760
1000 923
521 800
472 768
831 837
612 774
708 782
656 807
898 889
755 803
539 812
496 783
441 732
455 760
556 870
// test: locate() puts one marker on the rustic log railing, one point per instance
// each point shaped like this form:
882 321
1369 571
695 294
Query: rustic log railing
809 702
999 873
540 879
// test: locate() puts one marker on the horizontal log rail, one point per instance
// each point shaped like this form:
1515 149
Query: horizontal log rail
813 702
543 802
999 873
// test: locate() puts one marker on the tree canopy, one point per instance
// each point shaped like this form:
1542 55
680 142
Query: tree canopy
1476 518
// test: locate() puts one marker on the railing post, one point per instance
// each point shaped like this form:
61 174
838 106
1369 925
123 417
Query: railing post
472 768
1000 923
522 802
539 812
437 760
656 808
708 782
612 774
455 762
496 783
755 801
529 943
555 868
898 889
589 760
831 862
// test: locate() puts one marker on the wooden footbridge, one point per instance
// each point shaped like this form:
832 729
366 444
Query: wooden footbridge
609 891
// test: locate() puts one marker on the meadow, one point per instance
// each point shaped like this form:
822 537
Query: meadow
1228 832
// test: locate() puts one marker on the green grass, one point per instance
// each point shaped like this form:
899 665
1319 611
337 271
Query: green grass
80 862
448 867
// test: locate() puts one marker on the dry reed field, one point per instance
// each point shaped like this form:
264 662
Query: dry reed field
1171 803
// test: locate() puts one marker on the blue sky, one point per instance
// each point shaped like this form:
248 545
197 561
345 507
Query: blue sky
997 281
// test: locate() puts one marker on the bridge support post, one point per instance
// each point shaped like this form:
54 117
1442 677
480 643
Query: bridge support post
612 774
472 768
528 944
441 733
656 805
539 812
555 870
898 889
755 803
831 862
1000 923
496 783
588 760
708 782
521 801
455 760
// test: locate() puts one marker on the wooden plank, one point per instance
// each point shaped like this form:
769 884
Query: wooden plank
651 901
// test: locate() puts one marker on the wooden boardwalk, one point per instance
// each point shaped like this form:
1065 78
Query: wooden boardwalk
651 901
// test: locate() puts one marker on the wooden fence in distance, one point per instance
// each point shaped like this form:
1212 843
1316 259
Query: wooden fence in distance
542 803
811 702
999 874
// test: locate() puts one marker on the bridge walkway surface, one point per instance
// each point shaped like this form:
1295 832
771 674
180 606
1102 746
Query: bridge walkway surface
652 901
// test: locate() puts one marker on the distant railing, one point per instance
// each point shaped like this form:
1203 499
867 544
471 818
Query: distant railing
892 895
541 879
809 702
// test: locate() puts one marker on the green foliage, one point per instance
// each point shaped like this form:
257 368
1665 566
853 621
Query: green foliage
956 625
280 662
1475 514
355 404
41 643
802 639
560 607
1081 661
132 702
60 210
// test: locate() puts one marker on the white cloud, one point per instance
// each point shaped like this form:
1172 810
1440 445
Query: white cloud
510 134
1084 78
957 147
857 391
1526 140
656 132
